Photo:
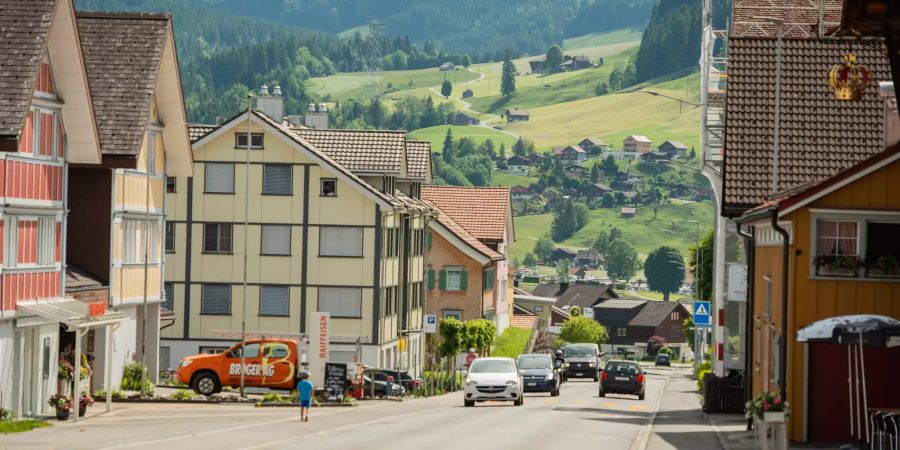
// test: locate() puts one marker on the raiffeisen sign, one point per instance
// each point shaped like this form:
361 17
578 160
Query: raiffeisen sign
321 322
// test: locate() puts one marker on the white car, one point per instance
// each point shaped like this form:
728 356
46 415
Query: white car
493 379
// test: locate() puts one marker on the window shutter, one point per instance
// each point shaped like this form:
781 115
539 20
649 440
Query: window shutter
274 300
219 178
276 240
430 278
216 299
428 239
443 280
462 280
169 302
277 179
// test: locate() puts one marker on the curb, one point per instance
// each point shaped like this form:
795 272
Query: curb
170 400
297 405
720 436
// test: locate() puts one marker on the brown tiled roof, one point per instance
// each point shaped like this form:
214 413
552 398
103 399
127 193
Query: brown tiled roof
459 231
197 131
482 211
801 17
819 136
418 159
360 150
122 53
581 295
523 321
24 26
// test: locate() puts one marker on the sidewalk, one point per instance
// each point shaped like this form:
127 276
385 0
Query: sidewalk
732 430
679 423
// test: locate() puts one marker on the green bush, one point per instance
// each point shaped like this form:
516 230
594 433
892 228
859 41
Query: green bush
5 415
100 394
273 397
701 371
131 379
182 394
512 342
666 351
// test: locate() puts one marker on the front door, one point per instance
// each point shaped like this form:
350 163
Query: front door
35 347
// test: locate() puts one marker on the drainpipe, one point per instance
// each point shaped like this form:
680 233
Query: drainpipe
750 251
786 255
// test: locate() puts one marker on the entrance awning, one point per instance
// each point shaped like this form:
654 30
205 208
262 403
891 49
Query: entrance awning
72 313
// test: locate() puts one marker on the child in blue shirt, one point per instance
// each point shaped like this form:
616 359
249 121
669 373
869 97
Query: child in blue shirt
304 392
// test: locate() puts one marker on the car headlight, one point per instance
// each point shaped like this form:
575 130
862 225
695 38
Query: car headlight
591 364
185 363
512 382
566 365
470 382
549 376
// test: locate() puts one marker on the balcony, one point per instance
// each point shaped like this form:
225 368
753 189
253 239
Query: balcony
31 182
130 189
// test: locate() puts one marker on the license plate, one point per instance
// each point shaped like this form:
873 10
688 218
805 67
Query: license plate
621 378
532 384
579 374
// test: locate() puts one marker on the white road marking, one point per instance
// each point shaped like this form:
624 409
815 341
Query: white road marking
642 439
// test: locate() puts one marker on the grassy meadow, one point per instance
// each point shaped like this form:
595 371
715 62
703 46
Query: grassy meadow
436 135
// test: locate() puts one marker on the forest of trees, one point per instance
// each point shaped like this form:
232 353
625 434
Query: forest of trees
464 162
671 41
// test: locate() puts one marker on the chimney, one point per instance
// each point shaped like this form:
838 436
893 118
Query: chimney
294 120
271 105
891 119
317 117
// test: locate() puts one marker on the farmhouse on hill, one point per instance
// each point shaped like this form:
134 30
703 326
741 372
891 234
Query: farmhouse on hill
656 157
447 66
577 170
572 153
627 213
520 192
589 258
674 148
517 115
594 145
636 143
596 191
577 62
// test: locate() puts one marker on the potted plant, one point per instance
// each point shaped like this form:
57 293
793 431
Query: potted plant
885 266
63 405
837 265
768 407
83 403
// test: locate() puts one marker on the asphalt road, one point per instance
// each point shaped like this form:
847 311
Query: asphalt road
577 418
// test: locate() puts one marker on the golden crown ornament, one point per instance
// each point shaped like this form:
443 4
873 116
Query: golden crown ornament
848 80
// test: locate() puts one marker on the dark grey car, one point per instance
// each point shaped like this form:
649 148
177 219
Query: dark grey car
583 361
622 377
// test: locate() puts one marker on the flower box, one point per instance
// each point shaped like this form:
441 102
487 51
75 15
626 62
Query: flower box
773 417
844 266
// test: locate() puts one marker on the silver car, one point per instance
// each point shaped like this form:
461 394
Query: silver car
493 379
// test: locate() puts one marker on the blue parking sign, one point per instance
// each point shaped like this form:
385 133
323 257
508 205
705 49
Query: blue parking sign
701 314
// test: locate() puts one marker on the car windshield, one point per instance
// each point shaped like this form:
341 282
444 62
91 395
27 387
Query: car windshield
620 367
492 366
534 362
579 352
662 357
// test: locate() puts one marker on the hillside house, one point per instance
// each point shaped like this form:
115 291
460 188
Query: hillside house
627 213
589 258
570 154
575 62
656 157
560 254
596 191
517 115
675 149
464 120
468 93
636 143
568 295
625 155
447 66
521 193
536 65
518 164
631 323
536 305
626 178
577 170
594 146
468 268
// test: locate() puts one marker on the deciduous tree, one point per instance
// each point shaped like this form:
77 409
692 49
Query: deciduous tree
554 58
664 269
622 260
580 329
446 88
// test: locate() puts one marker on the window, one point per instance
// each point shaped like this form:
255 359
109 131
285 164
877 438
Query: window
46 248
390 299
219 178
170 185
240 140
277 179
47 134
340 241
249 351
274 301
454 313
329 187
453 279
837 247
674 315
38 234
487 282
538 308
212 350
169 292
136 231
170 237
278 350
391 244
216 299
882 249
341 302
217 237
276 240
621 332
151 153
389 185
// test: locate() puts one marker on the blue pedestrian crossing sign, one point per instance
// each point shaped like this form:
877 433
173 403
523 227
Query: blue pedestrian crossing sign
701 314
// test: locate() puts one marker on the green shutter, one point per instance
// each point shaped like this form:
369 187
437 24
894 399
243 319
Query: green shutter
430 278
428 239
484 279
490 278
462 280
443 280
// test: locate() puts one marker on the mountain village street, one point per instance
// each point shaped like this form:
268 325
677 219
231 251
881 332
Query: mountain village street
668 418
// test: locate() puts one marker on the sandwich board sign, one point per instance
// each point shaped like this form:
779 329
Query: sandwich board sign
430 325
701 314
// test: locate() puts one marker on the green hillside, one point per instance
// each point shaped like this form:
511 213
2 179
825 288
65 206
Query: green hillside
436 135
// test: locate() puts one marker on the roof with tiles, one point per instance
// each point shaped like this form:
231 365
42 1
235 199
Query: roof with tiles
197 131
581 295
24 27
360 150
122 54
637 138
418 159
460 232
653 313
523 321
801 17
813 124
483 211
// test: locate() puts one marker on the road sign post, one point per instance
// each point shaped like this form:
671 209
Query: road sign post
430 325
701 314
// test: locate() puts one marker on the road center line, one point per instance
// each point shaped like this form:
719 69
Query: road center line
643 436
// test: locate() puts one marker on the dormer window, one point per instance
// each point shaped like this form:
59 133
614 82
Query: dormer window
389 185
256 140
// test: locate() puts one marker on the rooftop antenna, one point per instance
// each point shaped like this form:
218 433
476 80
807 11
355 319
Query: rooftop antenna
372 63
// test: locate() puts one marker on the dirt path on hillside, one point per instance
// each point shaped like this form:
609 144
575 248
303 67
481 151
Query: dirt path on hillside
467 108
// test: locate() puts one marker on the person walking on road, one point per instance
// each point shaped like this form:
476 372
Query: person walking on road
304 392
472 356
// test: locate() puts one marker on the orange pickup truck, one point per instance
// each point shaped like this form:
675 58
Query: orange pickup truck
268 362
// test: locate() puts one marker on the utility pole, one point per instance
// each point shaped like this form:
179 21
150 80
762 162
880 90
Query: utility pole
246 231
